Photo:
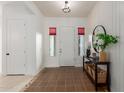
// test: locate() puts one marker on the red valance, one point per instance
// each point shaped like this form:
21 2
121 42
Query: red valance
52 31
81 31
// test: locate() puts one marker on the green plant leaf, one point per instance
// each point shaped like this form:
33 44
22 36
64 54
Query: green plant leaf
107 39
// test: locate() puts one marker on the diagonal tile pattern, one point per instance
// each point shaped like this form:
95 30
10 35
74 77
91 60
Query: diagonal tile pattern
63 79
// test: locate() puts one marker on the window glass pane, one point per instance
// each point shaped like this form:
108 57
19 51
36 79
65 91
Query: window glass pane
81 45
52 45
90 41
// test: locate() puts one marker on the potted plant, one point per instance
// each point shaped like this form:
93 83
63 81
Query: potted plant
105 40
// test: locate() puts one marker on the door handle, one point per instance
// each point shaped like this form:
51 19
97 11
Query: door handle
7 54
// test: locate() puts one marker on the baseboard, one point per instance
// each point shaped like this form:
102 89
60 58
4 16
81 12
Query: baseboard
40 69
78 66
3 74
51 66
33 79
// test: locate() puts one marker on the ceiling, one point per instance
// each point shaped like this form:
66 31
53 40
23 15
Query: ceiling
54 8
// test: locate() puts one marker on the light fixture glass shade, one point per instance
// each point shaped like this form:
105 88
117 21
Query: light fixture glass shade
66 9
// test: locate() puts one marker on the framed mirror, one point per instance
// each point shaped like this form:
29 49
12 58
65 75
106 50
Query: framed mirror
97 30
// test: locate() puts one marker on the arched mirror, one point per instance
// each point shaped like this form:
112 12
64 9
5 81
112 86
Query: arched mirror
97 30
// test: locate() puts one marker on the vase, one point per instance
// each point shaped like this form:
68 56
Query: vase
102 56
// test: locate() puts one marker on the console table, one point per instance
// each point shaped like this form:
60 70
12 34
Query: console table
98 76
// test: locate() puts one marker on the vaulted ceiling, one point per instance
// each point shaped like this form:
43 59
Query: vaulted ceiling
54 8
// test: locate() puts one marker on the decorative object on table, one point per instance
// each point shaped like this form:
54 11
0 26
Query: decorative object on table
94 54
95 57
88 52
104 41
102 56
101 40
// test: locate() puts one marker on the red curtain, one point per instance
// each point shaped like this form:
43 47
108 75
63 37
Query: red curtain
52 31
81 31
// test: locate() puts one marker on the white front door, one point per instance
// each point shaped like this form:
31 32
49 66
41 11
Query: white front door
16 42
66 51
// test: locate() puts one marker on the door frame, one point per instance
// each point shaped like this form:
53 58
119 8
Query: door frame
60 29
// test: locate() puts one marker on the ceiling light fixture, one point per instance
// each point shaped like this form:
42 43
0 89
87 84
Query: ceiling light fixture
66 9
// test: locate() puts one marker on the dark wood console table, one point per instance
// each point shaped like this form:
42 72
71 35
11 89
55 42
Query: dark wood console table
98 76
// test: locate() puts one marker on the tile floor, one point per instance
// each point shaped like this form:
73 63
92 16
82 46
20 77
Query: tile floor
63 79
13 83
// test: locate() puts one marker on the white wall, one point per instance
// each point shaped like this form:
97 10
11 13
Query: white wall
34 29
119 10
39 43
58 23
108 15
1 17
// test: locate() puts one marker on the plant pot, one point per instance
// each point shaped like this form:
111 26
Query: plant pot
102 56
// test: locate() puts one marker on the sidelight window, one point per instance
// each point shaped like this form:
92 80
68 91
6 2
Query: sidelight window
52 39
81 41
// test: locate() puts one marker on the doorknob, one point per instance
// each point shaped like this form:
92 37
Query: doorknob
7 54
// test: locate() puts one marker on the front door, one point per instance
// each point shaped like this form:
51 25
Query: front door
16 42
66 51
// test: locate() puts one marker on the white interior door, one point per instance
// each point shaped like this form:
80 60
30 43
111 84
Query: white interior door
66 51
16 42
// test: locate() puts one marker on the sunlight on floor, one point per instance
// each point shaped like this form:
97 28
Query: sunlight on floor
13 83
